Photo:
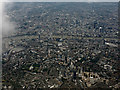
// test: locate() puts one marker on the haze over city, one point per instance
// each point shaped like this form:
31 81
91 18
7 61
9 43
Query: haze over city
62 44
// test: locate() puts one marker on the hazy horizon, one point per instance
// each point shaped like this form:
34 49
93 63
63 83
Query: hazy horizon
60 1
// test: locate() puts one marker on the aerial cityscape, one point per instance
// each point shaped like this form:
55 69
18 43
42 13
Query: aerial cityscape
61 45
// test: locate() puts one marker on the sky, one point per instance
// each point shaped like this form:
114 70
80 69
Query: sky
59 0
